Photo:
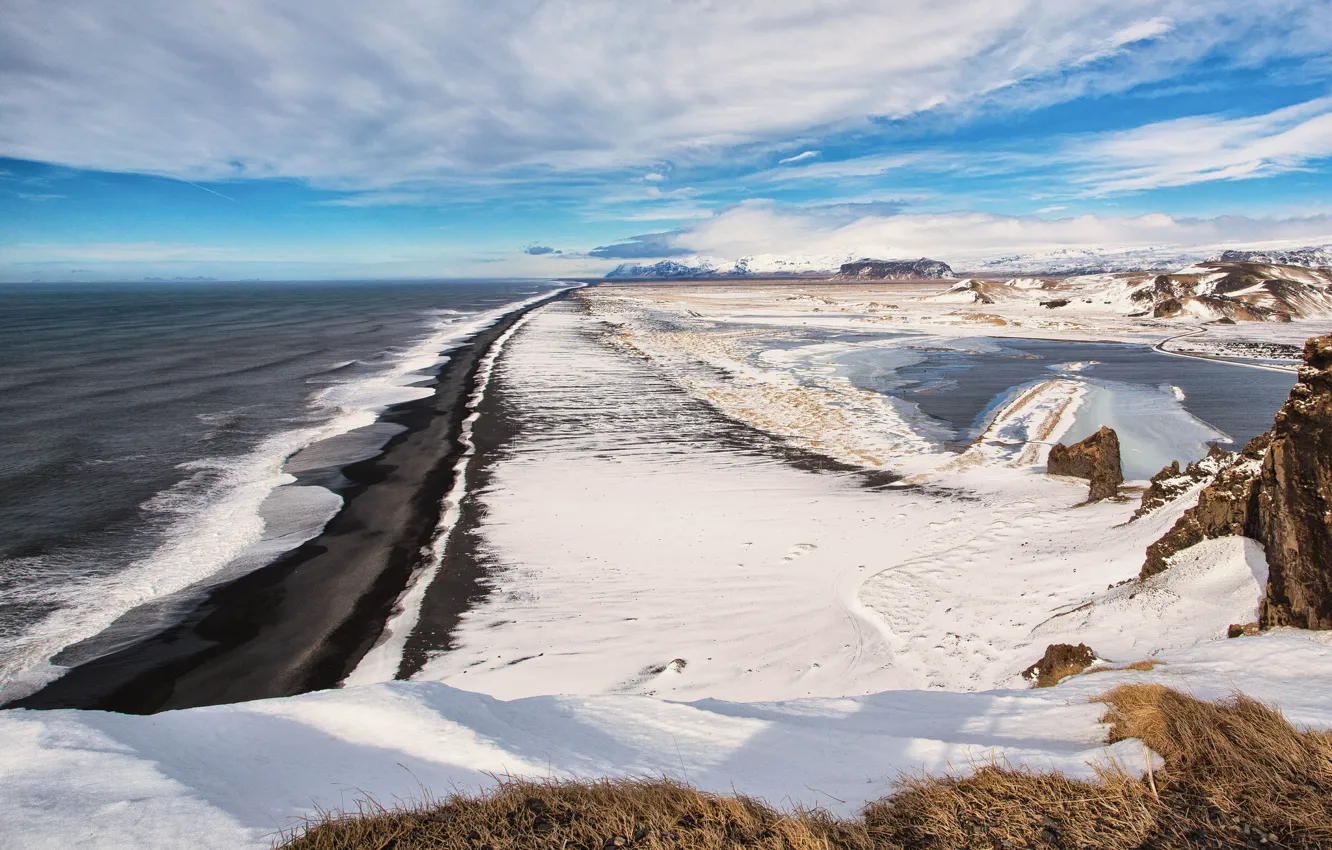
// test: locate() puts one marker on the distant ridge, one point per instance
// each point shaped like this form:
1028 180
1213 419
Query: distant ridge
757 265
1309 257
867 269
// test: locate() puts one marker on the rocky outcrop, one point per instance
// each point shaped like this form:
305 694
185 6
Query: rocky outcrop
1223 509
1278 491
1225 506
1172 482
1060 660
867 269
1095 458
1293 516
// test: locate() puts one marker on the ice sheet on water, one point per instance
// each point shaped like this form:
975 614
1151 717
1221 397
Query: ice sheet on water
1153 426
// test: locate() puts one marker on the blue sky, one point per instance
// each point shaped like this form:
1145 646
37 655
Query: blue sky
249 139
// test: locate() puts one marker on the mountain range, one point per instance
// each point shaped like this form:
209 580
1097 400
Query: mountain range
1061 261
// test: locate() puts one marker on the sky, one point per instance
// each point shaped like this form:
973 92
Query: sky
241 139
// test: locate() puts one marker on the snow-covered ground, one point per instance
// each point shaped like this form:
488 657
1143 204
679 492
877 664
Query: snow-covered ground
638 550
231 776
671 592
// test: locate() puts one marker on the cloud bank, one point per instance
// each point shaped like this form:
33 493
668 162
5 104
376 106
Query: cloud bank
969 237
355 95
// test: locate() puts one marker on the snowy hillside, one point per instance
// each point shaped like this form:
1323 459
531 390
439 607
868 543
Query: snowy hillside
232 776
1311 257
1064 261
1237 291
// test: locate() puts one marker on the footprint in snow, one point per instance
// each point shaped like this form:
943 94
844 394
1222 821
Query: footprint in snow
798 550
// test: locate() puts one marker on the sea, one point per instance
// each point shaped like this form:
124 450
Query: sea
152 433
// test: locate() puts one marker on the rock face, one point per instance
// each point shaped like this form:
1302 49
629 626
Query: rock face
1278 491
1060 660
1172 482
1293 516
1224 508
1095 458
867 269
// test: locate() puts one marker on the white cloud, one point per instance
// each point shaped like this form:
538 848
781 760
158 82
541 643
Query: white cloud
760 227
800 157
383 199
363 95
1204 148
864 166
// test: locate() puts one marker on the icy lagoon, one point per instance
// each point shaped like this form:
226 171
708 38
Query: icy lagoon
1164 408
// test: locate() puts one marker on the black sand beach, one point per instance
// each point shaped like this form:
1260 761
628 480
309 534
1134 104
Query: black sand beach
303 622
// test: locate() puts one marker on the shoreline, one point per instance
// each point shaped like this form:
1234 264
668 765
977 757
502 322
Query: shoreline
1160 347
304 621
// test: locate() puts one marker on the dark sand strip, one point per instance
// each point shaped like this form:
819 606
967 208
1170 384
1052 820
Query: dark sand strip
303 622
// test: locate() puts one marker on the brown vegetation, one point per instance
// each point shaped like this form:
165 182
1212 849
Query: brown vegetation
1236 775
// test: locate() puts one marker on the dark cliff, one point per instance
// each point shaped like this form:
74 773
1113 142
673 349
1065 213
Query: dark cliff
922 269
1293 515
1278 491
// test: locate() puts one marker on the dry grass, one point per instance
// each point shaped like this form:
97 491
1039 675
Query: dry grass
1234 768
1003 807
1141 666
1058 674
1236 775
585 816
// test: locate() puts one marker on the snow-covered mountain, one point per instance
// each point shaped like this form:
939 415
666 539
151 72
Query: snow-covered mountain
1081 261
755 265
1061 261
1310 257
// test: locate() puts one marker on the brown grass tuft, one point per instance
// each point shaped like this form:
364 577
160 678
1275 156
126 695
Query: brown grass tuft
1060 673
1001 807
600 815
1236 775
1141 666
1233 767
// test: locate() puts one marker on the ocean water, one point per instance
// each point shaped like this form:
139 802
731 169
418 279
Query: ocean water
153 433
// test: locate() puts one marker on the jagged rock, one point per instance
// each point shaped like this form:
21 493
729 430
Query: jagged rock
1167 308
1172 482
867 269
1095 458
1224 506
1060 660
1283 500
1293 517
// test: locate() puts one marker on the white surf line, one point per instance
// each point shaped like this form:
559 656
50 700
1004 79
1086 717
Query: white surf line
1199 331
381 663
